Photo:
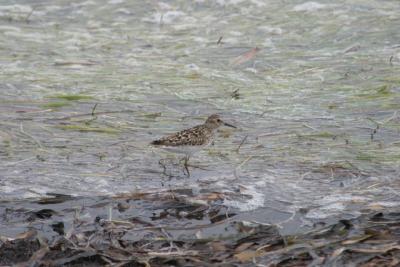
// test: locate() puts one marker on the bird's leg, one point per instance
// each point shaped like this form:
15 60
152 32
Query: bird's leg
162 164
186 165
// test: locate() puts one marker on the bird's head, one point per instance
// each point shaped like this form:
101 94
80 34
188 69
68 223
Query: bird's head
214 121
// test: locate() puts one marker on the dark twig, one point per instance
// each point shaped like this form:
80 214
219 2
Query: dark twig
93 115
235 94
29 15
374 132
241 143
94 108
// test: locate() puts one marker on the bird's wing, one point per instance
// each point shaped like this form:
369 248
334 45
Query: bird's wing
195 136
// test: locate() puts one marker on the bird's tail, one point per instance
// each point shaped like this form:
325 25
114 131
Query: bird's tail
156 142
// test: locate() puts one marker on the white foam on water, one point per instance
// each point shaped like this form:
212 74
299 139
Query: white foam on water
37 37
165 6
6 189
268 43
168 17
252 199
229 2
85 3
330 199
270 29
15 9
326 211
124 11
258 3
115 2
6 28
51 8
309 6
201 40
239 194
231 40
335 204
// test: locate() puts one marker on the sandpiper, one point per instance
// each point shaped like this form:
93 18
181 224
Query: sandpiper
191 140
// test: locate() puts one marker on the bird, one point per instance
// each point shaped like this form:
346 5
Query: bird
192 140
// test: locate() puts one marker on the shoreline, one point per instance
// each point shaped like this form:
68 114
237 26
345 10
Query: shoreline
181 229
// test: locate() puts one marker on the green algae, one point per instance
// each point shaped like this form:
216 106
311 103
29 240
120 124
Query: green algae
152 115
392 79
365 157
379 92
58 104
71 97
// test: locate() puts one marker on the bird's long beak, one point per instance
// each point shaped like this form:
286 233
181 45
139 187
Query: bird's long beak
229 125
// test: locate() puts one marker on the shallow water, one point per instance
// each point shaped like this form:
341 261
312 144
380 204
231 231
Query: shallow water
316 107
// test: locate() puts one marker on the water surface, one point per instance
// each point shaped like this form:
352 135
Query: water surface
316 107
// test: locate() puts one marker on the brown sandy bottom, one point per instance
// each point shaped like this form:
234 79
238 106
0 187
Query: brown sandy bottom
177 228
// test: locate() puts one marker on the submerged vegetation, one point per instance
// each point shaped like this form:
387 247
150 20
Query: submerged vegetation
178 229
74 97
309 177
56 105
